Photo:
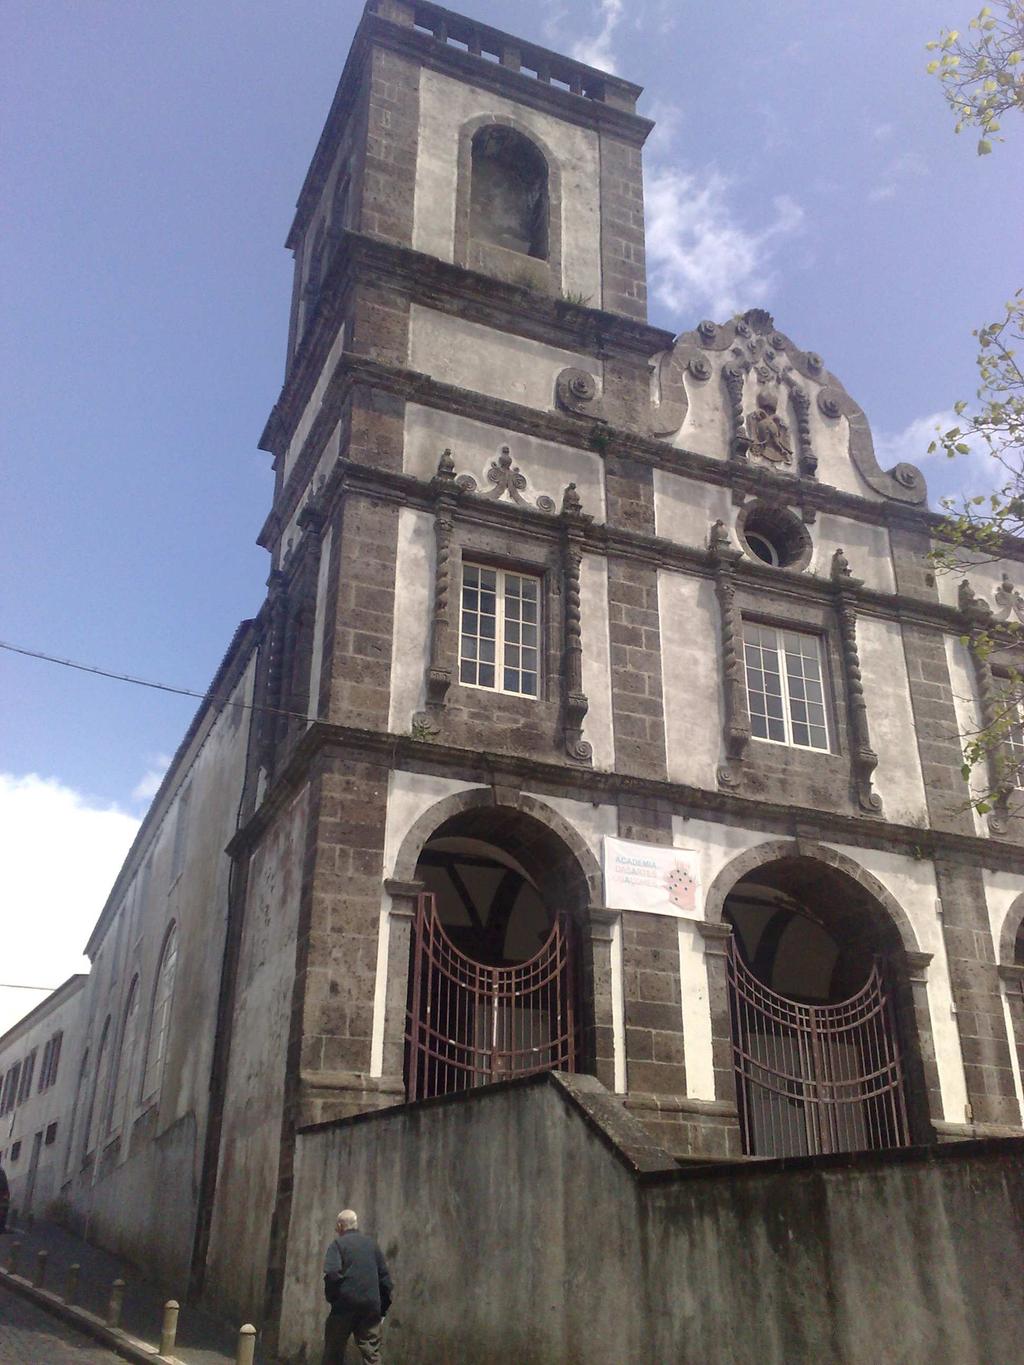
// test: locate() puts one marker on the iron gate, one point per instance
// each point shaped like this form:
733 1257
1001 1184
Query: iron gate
815 1078
470 1023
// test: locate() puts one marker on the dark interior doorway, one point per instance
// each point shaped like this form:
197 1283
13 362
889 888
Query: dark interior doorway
492 981
816 991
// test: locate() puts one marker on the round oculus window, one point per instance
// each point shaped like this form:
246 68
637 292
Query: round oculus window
774 535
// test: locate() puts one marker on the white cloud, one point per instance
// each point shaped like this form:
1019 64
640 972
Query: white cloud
597 50
149 783
975 472
59 854
906 166
700 256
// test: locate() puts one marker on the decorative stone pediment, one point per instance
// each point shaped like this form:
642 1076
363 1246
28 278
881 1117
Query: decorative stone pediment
508 479
743 391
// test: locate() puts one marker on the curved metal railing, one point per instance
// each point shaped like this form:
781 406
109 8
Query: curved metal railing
470 1023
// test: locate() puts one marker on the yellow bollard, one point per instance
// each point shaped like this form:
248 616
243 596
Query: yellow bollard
71 1284
39 1279
116 1304
170 1328
246 1352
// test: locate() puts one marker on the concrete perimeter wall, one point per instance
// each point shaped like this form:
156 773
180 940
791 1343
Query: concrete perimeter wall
534 1222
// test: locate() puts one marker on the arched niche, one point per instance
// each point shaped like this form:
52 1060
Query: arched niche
508 219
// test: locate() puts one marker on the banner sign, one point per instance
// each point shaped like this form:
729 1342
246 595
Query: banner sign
651 878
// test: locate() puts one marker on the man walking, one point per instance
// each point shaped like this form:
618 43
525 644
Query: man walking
358 1288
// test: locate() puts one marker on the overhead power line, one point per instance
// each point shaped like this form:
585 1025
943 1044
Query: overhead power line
19 986
145 682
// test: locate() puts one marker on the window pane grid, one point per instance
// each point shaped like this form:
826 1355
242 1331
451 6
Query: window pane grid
1014 736
499 639
785 692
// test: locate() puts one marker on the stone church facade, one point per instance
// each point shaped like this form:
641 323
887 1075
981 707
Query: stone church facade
602 713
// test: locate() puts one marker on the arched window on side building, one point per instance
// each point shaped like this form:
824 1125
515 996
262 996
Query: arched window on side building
99 1091
126 1058
163 995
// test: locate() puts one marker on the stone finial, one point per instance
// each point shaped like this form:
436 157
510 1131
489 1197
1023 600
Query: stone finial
719 537
572 505
446 467
841 570
1008 600
970 603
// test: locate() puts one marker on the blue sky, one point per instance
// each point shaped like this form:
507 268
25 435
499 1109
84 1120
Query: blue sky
151 157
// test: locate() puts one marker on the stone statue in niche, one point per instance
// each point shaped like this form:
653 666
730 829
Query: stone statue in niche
767 432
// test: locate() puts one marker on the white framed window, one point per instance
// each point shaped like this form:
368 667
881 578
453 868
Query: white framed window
499 635
785 686
1014 733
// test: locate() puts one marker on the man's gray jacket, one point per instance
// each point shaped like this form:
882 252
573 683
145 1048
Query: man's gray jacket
356 1279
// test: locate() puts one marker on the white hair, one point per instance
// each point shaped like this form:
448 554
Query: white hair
348 1219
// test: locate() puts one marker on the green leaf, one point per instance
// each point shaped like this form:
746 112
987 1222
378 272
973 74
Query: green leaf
984 147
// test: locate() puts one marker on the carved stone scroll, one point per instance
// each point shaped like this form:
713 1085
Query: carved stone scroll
574 700
576 392
724 557
863 757
978 619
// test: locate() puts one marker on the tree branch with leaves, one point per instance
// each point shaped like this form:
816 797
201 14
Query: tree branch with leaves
983 72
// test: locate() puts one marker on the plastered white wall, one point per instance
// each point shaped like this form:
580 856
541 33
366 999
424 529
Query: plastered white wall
912 884
690 672
706 426
898 778
410 643
598 729
715 846
490 361
698 1050
985 576
866 547
316 398
411 795
445 106
476 445
592 822
1001 890
965 705
685 509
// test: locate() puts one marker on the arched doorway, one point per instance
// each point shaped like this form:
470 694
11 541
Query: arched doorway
815 984
493 982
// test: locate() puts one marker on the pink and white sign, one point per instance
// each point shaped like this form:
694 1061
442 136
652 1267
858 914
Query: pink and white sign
651 878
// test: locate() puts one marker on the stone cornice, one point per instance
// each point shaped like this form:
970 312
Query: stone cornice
426 50
449 288
579 433
542 777
774 586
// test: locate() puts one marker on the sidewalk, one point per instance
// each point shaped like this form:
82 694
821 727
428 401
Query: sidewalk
202 1339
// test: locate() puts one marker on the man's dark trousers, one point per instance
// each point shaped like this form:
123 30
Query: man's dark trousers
365 1330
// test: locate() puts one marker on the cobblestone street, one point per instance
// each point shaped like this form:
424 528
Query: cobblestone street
28 1336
